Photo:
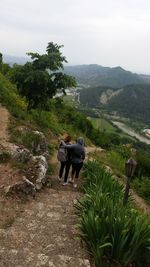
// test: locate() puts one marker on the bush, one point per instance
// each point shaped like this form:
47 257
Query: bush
11 99
110 229
4 156
142 187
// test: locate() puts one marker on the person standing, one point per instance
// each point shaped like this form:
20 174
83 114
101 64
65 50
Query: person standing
77 158
64 156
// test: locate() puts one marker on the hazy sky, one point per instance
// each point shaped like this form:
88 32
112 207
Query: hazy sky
106 32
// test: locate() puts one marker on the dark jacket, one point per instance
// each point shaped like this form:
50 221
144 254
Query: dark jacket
77 151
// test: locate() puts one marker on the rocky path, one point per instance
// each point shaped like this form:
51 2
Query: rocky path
45 234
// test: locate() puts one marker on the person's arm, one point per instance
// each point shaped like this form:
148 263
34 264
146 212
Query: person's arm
83 155
69 146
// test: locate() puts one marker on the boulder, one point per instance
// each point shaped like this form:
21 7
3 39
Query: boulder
41 166
25 186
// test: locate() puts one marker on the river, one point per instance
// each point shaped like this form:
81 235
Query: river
131 132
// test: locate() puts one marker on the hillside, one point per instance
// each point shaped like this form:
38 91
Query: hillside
44 231
145 77
96 75
132 101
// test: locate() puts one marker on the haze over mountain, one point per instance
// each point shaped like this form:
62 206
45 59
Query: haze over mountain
93 74
14 59
96 75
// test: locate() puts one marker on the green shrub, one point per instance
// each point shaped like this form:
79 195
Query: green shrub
11 99
46 120
116 160
110 229
142 187
4 156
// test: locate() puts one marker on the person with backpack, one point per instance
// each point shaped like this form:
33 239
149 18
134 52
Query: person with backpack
77 158
64 156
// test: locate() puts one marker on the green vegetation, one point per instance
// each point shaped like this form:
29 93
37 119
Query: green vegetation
4 156
142 187
96 75
131 101
56 117
11 99
40 79
110 229
102 124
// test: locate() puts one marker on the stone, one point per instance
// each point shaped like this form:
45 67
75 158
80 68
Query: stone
22 155
24 186
41 166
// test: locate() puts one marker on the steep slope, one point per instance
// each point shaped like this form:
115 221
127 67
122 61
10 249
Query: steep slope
132 101
41 232
96 75
10 98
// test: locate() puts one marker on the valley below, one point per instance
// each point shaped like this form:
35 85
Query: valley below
126 129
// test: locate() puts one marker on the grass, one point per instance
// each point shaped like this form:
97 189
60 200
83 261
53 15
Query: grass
70 100
4 156
142 187
102 124
109 229
10 98
113 159
106 126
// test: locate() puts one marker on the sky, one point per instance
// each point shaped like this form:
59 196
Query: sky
106 32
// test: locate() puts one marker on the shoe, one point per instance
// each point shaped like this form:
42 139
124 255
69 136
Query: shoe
65 183
75 185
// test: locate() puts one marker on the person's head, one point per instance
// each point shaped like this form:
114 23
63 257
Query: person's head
67 138
80 141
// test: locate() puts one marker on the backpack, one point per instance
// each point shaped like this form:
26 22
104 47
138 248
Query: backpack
62 154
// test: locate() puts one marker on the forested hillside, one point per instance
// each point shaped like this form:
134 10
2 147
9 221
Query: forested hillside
96 75
132 101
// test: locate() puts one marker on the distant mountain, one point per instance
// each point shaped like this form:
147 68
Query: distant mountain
96 75
145 77
12 59
131 101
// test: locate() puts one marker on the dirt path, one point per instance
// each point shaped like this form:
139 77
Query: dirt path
45 234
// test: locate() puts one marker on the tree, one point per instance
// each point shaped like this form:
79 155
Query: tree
1 61
43 77
4 68
1 58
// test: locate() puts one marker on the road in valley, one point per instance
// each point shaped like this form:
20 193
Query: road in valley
131 132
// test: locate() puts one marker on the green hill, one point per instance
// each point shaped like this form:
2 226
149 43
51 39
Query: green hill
10 98
96 75
132 101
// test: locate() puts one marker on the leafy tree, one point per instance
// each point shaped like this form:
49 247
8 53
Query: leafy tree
40 79
1 61
1 58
